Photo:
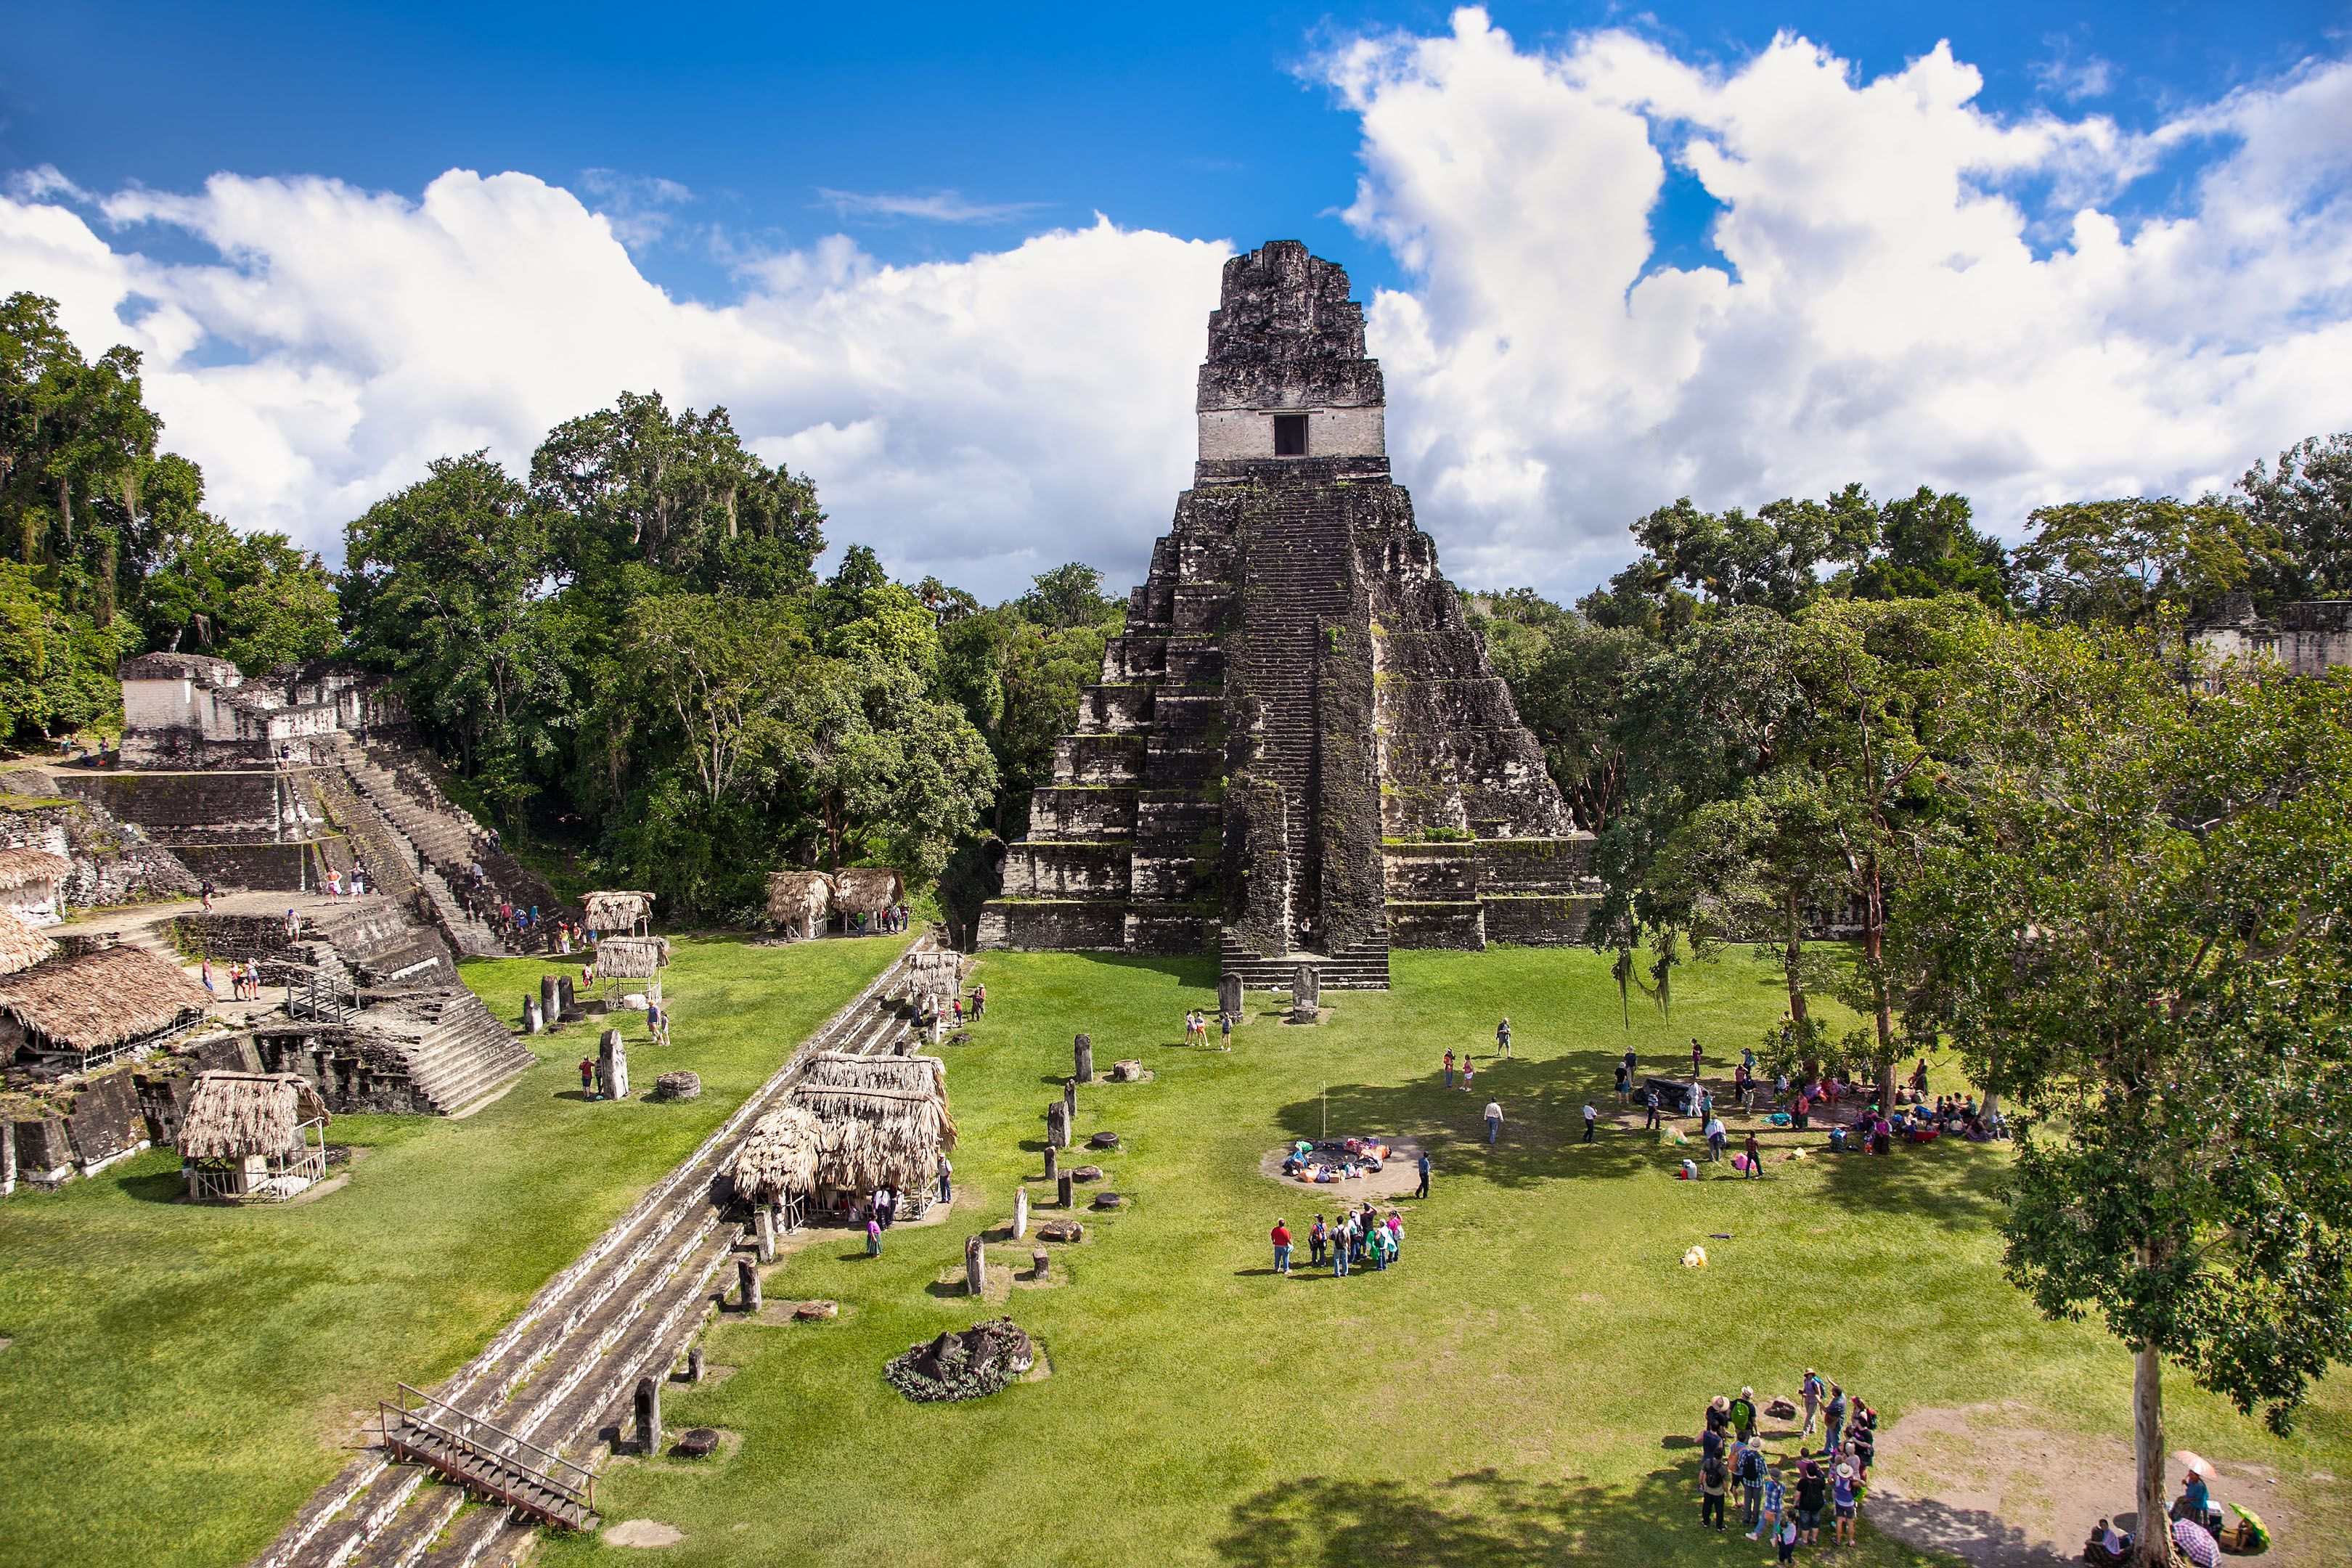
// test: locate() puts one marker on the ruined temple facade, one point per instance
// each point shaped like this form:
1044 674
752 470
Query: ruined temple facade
1298 750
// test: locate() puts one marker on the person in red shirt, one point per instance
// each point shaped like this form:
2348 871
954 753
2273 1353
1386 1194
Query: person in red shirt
1281 1247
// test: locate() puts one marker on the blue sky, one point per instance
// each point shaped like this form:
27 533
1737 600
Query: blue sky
941 134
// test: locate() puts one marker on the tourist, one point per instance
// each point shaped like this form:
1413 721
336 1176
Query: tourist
1786 1538
873 1237
1862 1438
946 1170
1318 1240
208 967
1469 1072
1590 1118
1224 1031
1281 1234
1494 1123
334 885
882 1207
1695 1057
1841 1501
979 1000
1395 1223
1715 1137
1449 1069
1422 1164
1833 1419
1768 1519
587 1079
1712 1480
1812 1492
1750 1474
1624 1083
1755 1153
359 882
1743 1415
205 892
1629 1064
1809 1390
1503 1039
1341 1238
1650 1110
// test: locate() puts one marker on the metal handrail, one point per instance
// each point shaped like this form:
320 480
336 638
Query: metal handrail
585 1496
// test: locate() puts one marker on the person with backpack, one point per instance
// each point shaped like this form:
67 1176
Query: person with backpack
1743 1415
1751 1474
1834 1417
1318 1239
1711 1482
1844 1500
1811 1391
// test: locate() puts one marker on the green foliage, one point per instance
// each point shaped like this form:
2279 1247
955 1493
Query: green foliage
2135 562
254 599
2141 939
1566 673
2305 503
57 669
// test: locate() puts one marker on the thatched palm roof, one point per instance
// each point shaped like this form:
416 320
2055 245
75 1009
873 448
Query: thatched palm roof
867 889
619 910
18 867
21 946
631 957
102 999
793 896
238 1115
854 1123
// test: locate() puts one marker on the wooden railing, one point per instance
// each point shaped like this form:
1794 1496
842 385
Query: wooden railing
496 1448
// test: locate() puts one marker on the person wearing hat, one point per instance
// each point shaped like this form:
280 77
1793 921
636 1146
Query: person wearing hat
1811 1390
1743 1415
1843 1499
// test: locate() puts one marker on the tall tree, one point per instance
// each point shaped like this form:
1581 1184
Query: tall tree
254 599
1567 676
439 586
2149 917
2306 503
2134 561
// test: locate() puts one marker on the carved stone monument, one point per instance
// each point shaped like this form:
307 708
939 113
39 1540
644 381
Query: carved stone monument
613 1067
1298 745
1306 994
1020 1213
1229 996
1084 1051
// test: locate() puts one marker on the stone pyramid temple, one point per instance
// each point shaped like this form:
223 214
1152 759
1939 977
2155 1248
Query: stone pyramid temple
1298 753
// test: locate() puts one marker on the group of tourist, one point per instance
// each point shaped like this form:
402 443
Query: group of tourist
1786 1501
334 885
1196 1028
1358 1238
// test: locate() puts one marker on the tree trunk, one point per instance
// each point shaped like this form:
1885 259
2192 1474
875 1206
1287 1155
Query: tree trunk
65 509
1793 962
2152 1542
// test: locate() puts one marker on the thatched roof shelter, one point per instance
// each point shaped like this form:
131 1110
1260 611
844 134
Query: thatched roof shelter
20 868
101 999
851 1124
799 901
21 946
867 889
618 912
240 1115
631 957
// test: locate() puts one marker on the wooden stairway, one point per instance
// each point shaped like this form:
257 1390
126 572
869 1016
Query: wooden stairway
488 1460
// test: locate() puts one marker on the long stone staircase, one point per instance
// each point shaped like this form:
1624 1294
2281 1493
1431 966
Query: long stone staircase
560 1375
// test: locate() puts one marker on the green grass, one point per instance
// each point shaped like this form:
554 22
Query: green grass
180 1372
1504 1397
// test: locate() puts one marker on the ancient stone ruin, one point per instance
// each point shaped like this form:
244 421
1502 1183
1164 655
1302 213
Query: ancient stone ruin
967 1365
1298 747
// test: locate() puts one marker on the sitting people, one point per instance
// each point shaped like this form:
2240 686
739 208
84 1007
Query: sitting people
2108 1547
2195 1504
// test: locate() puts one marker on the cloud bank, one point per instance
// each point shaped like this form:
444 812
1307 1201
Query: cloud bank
1917 291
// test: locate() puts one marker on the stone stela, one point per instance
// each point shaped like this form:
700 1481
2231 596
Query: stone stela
1298 748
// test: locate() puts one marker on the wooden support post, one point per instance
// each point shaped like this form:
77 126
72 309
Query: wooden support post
767 1215
694 1364
649 1425
1085 1051
1020 1213
746 1277
1064 1189
975 1265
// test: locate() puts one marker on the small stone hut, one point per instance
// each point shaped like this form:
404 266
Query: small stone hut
800 902
29 879
253 1136
867 889
621 914
80 1013
852 1124
21 946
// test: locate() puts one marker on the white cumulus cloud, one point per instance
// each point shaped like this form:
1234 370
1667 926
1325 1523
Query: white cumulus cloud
1917 290
1888 316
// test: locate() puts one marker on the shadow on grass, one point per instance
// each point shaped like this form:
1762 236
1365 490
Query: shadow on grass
155 1187
1957 1184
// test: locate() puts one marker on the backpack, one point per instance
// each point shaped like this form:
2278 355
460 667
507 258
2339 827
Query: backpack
1752 1467
1713 1475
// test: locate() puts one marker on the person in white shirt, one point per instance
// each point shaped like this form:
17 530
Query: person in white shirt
1494 1122
1591 1117
1716 1135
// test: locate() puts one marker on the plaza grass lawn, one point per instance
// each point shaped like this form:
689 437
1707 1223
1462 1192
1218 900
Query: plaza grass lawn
1522 1389
179 1375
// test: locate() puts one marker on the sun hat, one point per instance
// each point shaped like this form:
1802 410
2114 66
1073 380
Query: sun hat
1719 1402
1846 1472
1745 1393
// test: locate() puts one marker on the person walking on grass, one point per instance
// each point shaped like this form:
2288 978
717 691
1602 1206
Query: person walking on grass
1810 1392
946 1170
1843 1506
1695 1057
1341 1235
1715 1137
1752 1473
1755 1153
1503 1039
1423 1166
1469 1072
1494 1123
1785 1538
1624 1083
1711 1482
873 1237
1590 1118
1281 1237
1449 1069
1319 1239
1768 1519
1650 1110
1224 1031
587 1076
